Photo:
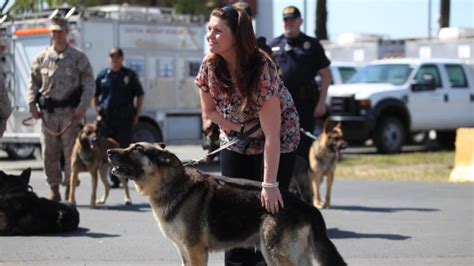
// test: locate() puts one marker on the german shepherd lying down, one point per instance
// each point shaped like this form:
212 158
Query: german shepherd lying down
200 214
23 213
89 154
323 156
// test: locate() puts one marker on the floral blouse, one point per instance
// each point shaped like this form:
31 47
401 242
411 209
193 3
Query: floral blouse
230 108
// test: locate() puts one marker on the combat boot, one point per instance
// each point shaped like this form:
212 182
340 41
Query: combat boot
54 193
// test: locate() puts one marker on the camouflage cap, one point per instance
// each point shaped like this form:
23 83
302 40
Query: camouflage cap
58 24
291 12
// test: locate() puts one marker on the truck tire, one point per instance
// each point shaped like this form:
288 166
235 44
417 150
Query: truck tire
145 131
446 139
389 135
20 151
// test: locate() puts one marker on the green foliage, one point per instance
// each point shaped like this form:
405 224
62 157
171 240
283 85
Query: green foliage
26 6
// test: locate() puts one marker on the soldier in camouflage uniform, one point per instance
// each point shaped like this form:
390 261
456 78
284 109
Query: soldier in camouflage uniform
62 86
5 107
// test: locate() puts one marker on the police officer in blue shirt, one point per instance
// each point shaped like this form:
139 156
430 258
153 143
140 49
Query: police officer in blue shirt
300 59
117 111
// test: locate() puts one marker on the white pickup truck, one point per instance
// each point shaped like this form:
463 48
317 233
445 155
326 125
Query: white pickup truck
390 100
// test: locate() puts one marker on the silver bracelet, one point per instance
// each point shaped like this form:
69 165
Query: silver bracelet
270 185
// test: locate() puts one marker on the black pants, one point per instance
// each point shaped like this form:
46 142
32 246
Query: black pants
251 167
121 132
307 121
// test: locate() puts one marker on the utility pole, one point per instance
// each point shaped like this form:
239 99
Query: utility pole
429 19
305 16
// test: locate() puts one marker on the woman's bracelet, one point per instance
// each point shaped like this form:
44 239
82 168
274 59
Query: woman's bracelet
270 185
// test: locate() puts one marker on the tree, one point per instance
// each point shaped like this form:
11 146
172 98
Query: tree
26 6
444 13
321 20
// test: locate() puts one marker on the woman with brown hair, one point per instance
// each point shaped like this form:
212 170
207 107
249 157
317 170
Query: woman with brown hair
239 88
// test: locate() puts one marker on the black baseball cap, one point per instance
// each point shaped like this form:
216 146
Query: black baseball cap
116 51
291 12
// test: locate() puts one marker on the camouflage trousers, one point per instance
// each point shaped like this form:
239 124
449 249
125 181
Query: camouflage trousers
55 146
5 109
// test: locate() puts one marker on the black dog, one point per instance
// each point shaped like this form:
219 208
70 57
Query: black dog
22 212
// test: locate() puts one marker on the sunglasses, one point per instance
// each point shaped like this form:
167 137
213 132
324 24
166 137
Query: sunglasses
230 11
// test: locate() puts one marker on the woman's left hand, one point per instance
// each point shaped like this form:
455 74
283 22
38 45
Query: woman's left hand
271 199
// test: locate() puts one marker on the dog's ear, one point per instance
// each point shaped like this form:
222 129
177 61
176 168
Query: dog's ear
160 144
168 158
25 175
329 125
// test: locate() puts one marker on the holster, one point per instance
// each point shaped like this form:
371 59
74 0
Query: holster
46 103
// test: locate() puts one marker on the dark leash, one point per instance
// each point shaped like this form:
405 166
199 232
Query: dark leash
222 180
242 137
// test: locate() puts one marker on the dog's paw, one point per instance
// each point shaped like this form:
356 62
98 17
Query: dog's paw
101 201
128 202
326 206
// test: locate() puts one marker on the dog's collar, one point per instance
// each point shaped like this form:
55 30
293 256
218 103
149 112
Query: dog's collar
7 195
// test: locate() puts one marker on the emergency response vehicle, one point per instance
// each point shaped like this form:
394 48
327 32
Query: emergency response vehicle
390 100
163 47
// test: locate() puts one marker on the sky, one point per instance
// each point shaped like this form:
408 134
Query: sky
396 19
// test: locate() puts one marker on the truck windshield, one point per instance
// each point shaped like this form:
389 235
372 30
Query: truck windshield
396 74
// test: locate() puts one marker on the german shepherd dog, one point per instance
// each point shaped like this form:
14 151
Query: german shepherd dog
323 156
22 212
90 154
200 213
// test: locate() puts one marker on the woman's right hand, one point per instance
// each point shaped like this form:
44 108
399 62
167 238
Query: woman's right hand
271 199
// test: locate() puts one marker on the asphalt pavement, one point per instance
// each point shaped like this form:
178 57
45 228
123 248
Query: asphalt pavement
371 223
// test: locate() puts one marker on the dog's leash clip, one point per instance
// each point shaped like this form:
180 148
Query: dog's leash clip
308 134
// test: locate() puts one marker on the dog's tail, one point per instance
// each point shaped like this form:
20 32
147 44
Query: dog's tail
325 252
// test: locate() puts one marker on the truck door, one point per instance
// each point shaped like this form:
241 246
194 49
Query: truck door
458 97
427 106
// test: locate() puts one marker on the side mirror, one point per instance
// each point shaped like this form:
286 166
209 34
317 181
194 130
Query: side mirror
427 83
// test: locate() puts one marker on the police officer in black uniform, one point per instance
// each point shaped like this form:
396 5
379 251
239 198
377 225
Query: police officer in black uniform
300 59
116 89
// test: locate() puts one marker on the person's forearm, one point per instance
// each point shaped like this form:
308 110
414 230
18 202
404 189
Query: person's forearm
271 158
95 104
325 82
139 106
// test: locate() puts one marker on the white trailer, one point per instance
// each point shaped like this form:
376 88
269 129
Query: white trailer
163 47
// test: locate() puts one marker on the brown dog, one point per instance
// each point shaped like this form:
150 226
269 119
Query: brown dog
90 154
323 156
